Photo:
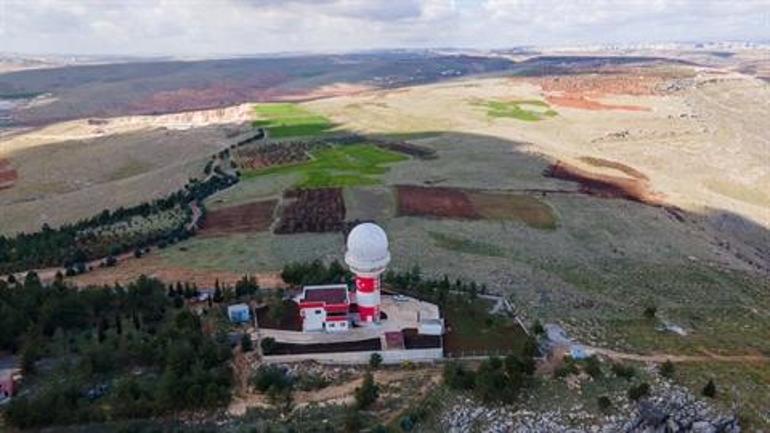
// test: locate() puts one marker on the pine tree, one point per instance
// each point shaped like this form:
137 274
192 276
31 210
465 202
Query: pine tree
367 393
135 318
118 325
710 390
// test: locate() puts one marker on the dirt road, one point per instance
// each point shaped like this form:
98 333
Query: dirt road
663 357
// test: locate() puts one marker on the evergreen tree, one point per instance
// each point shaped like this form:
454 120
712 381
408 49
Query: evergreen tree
118 325
367 393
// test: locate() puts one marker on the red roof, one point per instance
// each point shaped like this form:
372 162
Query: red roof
330 295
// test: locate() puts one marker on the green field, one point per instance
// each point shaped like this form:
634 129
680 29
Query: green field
290 120
525 109
340 166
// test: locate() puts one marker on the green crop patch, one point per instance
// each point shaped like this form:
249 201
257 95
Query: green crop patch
529 110
338 166
290 120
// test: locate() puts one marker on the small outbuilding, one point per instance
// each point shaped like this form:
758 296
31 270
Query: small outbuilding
239 313
431 327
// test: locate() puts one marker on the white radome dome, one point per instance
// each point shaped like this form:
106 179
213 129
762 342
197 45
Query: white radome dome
367 249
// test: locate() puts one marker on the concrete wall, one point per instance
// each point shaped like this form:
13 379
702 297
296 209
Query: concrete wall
388 357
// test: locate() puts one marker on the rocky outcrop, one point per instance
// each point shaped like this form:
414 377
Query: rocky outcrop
671 410
679 412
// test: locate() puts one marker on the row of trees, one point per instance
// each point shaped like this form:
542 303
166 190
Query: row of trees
436 290
315 272
72 245
111 353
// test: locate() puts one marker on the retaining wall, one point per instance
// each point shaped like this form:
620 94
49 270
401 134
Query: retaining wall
388 357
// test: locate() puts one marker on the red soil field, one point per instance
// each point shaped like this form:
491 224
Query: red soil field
438 202
636 83
582 90
583 103
8 174
249 217
600 185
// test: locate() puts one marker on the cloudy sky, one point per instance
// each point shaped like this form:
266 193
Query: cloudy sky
221 27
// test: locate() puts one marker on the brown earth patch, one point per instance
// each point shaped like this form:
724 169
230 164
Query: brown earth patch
248 217
581 102
533 212
444 202
435 201
8 174
605 186
606 163
312 210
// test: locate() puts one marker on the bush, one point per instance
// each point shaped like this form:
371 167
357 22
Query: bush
625 371
375 360
246 344
567 368
457 377
667 369
650 312
110 261
710 390
268 345
592 367
537 328
604 403
271 378
639 391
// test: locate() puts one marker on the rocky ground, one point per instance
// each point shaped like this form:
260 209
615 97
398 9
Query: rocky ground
671 409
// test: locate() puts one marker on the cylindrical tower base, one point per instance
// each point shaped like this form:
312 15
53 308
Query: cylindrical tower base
368 299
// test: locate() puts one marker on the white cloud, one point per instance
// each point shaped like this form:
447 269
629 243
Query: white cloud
205 27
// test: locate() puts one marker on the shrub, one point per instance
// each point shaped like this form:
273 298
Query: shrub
710 390
625 371
271 378
246 344
375 360
457 377
537 328
567 368
592 367
650 312
667 369
268 345
639 391
604 403
110 261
